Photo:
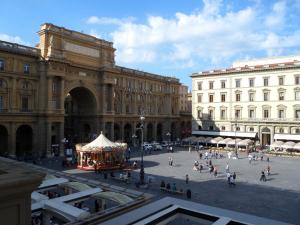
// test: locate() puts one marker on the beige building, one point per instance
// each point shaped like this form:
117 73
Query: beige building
259 99
185 109
69 86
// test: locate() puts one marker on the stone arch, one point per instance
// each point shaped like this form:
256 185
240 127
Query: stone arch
265 136
3 141
127 133
117 132
24 141
149 132
173 131
159 132
80 106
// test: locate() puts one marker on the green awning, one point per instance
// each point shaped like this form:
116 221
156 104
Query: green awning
113 196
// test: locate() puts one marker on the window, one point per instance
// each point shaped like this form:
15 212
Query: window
251 129
237 97
199 98
1 65
223 128
297 79
210 114
266 81
281 96
127 108
1 103
251 97
26 69
223 97
211 98
297 131
297 95
199 85
238 129
297 113
211 127
280 113
223 114
1 84
237 114
25 85
199 128
266 113
238 83
251 82
266 96
54 87
280 81
281 130
211 85
199 114
223 84
24 105
251 113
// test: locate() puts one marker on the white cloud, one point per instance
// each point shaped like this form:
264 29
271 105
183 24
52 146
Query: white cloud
209 34
94 33
109 20
13 39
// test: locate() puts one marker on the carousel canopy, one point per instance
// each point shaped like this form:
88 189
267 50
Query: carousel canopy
277 144
100 143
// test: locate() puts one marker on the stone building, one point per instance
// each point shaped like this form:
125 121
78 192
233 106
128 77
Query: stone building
68 86
185 110
257 99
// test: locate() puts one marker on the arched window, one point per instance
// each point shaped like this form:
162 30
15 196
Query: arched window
238 128
297 131
251 129
281 130
223 128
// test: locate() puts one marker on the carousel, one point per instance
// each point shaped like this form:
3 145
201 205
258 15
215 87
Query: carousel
101 154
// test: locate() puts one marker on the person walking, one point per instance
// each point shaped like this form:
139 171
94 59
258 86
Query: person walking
234 176
268 170
215 171
263 176
227 168
187 178
171 161
200 168
228 178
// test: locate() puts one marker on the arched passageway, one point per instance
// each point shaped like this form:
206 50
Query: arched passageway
159 132
173 131
128 133
24 137
117 132
149 132
265 136
80 115
3 141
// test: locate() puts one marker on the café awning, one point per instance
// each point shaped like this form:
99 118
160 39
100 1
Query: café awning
225 141
288 144
292 137
233 141
225 133
277 144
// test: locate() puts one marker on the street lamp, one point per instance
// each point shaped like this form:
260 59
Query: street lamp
134 139
142 172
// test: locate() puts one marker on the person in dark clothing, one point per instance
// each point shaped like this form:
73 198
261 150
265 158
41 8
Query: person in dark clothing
97 206
187 179
168 186
188 194
162 184
263 176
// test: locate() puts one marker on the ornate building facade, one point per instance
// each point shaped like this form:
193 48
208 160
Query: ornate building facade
257 99
69 86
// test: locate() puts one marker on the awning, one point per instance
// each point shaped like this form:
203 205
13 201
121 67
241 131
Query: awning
288 144
297 146
294 137
277 144
226 133
201 139
216 140
113 196
245 142
52 182
233 141
225 141
208 139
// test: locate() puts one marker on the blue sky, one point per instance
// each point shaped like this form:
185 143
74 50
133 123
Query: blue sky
169 37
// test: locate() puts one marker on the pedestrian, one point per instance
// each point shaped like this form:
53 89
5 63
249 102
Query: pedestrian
234 176
250 158
268 159
206 155
232 183
200 155
215 171
171 161
263 176
188 194
190 149
97 206
227 168
228 178
268 170
201 168
186 178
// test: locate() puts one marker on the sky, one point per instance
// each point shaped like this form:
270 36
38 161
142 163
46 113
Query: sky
167 37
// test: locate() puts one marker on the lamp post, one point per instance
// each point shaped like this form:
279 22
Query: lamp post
142 172
134 140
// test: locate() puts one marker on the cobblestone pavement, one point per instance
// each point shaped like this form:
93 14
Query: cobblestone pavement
277 198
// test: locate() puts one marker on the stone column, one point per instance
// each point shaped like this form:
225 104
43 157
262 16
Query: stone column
13 99
104 97
49 95
48 138
62 94
61 137
12 139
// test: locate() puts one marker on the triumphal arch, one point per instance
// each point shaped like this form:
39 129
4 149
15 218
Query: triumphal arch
68 87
